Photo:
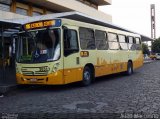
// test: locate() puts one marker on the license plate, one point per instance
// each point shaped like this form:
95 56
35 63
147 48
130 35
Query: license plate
33 80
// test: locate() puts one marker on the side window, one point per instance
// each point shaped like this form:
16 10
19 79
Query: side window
123 42
138 44
87 38
130 39
100 37
138 41
70 40
112 37
131 43
113 41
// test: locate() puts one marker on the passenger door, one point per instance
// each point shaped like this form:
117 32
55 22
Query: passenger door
72 70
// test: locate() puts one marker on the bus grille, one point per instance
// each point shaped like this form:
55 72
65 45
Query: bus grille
33 71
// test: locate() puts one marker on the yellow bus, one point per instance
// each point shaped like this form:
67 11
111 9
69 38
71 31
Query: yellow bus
62 51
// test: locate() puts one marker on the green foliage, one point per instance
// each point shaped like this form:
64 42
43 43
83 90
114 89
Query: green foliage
145 48
156 46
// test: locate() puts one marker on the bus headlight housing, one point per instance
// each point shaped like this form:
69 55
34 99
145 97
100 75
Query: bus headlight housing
55 67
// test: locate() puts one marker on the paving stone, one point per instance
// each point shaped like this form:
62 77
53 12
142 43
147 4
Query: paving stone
116 94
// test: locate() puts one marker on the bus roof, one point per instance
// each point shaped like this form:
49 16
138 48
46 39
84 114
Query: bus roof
78 17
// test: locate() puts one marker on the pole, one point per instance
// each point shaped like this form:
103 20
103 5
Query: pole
153 22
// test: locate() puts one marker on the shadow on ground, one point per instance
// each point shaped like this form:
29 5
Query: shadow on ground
67 87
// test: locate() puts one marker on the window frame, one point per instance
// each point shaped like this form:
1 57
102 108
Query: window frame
106 39
124 36
139 40
138 46
93 38
134 43
113 41
68 50
126 41
133 40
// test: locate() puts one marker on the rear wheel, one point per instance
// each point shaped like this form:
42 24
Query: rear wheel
129 68
87 76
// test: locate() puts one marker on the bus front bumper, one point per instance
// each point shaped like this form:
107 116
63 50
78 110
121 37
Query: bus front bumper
51 79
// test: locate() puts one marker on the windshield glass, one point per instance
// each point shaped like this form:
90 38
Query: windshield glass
38 46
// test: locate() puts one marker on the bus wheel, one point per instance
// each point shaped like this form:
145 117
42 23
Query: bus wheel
129 68
87 76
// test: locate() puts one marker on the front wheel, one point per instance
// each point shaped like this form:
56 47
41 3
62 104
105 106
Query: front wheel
87 76
129 68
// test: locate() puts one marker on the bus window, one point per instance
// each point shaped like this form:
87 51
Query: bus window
138 44
70 42
100 37
137 40
130 39
38 46
87 38
131 43
113 41
122 42
112 37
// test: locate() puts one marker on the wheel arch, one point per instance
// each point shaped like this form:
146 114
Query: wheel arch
91 66
131 62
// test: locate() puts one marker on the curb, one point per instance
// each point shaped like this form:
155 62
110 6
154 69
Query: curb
147 62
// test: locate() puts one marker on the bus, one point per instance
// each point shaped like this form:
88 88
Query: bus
62 51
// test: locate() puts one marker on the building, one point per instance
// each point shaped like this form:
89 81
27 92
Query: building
11 9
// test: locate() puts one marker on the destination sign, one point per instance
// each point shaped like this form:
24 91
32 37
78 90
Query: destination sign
41 24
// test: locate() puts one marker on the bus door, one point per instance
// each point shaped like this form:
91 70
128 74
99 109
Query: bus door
72 69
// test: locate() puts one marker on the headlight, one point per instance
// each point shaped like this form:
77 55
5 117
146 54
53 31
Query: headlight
55 67
17 70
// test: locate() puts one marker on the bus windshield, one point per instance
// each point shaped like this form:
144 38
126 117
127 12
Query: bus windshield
38 46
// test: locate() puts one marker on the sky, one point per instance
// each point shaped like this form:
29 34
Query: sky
134 15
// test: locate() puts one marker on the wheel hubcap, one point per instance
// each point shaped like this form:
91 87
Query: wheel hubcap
130 70
87 76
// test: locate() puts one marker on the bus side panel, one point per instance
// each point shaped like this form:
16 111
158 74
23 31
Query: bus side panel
103 65
138 60
72 63
110 62
121 59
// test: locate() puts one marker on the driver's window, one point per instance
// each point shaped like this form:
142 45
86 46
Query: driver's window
70 40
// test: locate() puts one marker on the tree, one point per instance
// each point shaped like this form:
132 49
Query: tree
145 48
156 46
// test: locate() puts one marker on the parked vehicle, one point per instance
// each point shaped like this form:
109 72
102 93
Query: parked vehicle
155 56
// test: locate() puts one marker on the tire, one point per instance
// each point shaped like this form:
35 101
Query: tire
87 76
129 69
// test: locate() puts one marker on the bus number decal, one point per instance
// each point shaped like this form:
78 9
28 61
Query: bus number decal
84 53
